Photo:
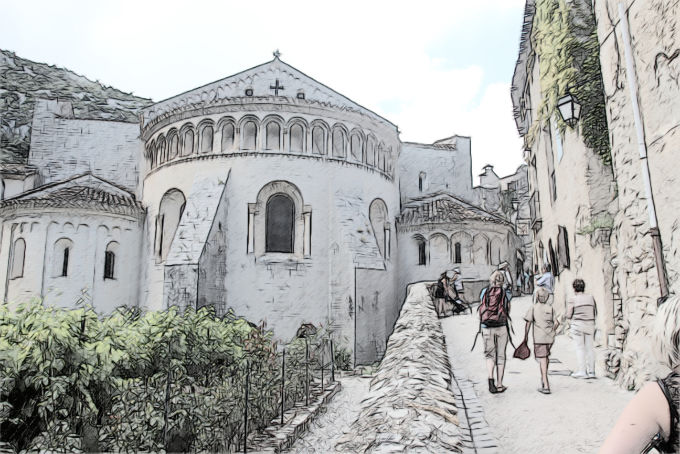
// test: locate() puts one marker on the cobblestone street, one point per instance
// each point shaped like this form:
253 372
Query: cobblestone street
522 420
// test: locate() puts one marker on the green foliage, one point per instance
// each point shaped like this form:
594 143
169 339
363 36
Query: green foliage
603 221
564 37
132 381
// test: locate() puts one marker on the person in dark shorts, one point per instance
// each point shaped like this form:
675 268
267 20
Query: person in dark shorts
542 316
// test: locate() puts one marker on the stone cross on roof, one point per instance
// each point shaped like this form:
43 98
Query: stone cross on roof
276 87
276 53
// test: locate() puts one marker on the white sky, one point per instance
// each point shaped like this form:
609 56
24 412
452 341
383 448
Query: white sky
433 68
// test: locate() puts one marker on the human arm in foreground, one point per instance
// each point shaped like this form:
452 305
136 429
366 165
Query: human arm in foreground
644 416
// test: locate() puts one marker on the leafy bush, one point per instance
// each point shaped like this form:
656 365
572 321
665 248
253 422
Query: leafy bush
150 381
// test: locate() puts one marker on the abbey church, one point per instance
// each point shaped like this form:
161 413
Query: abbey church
266 194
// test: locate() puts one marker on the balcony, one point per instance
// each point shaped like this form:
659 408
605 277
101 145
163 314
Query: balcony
535 213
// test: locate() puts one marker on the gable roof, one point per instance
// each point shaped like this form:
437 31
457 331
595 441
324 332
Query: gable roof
260 78
84 191
443 207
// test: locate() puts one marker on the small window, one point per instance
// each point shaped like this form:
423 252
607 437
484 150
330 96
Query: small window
207 139
18 257
64 262
109 264
301 95
249 92
553 186
422 258
421 181
456 253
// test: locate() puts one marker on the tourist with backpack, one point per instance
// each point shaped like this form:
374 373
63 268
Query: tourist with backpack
493 318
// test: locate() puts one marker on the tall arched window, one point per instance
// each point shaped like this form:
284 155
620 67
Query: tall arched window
422 256
297 139
457 256
162 150
188 142
207 134
110 260
173 150
273 141
318 140
338 143
249 135
280 224
370 151
355 147
422 180
169 214
377 215
18 257
227 137
63 251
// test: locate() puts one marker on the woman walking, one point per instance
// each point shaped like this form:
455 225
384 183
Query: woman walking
542 316
581 310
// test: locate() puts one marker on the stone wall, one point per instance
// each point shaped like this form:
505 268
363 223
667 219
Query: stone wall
62 147
410 406
655 41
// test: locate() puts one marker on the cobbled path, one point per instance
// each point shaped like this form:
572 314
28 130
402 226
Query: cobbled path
575 418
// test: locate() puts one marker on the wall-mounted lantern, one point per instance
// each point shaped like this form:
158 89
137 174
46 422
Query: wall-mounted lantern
570 109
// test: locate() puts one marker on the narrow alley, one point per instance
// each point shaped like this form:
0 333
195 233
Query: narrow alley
521 419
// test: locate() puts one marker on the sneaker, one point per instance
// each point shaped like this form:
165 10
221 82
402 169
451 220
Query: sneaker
591 375
544 390
578 375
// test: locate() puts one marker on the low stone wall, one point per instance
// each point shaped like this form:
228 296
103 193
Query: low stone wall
410 405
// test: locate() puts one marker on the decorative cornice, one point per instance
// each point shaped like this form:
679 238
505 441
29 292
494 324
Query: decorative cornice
268 154
253 104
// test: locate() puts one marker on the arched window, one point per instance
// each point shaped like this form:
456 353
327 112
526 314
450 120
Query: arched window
63 250
370 151
338 143
169 214
377 215
152 155
188 142
422 256
162 151
422 179
207 134
249 135
18 257
318 140
355 147
297 139
110 260
496 251
280 224
457 257
273 136
480 250
174 146
227 137
440 252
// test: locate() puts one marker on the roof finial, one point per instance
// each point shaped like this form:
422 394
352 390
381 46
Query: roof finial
276 54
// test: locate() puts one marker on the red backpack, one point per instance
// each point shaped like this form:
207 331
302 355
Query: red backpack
493 309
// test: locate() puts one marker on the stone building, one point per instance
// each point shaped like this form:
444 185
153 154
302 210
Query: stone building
571 190
639 45
607 212
265 193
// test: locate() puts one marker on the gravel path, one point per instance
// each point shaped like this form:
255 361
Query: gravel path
575 418
335 420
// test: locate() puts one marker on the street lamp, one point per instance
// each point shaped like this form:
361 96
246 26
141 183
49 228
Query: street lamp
570 109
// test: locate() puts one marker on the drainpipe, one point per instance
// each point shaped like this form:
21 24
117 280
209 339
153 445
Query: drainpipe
642 148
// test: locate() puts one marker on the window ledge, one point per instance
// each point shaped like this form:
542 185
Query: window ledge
271 258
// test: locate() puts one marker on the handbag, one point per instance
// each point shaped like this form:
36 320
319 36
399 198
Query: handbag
522 351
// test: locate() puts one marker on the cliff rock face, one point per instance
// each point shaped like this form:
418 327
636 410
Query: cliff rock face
23 81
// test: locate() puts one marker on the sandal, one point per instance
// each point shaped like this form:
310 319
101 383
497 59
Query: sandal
544 390
500 389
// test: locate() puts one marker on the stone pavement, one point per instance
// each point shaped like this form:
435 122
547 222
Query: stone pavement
575 418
